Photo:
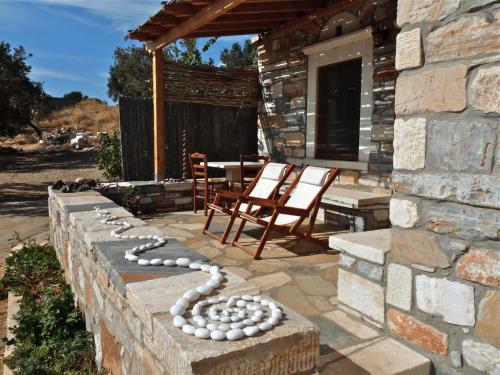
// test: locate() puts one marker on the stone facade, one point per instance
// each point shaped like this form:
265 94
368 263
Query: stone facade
446 157
283 69
126 306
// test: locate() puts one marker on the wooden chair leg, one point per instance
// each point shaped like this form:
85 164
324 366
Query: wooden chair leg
265 236
209 220
228 229
239 231
194 201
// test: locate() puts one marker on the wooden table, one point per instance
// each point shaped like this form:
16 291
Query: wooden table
232 168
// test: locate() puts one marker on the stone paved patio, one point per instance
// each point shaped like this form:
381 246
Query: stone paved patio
300 274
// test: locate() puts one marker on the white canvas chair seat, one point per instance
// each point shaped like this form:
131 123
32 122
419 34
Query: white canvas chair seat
266 185
304 194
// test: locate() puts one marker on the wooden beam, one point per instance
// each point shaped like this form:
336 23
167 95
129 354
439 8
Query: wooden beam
258 25
323 12
158 119
200 19
243 18
180 10
165 20
278 7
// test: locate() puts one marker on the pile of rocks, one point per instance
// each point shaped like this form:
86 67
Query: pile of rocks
80 184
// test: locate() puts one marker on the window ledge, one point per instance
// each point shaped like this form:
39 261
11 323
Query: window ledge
343 164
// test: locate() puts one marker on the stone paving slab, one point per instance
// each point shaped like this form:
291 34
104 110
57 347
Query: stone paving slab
91 238
372 245
353 197
69 208
119 212
111 257
267 352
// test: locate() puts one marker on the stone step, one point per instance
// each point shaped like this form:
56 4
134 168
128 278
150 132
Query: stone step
371 245
357 349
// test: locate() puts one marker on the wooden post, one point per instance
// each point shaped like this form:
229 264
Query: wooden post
159 126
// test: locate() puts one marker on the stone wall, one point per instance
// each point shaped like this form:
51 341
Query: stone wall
126 306
152 196
283 78
444 265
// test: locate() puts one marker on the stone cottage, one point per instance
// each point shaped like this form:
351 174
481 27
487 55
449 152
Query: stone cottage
398 94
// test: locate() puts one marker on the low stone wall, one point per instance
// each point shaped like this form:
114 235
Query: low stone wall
126 306
154 196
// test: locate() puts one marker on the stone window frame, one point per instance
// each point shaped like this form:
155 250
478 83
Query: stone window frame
331 51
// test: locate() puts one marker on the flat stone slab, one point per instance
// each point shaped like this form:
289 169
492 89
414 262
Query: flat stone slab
382 356
371 245
291 347
111 257
353 198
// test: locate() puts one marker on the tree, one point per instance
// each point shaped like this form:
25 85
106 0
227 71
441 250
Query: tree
239 57
131 72
21 100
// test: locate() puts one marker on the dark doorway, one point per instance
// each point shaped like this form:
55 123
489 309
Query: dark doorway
338 111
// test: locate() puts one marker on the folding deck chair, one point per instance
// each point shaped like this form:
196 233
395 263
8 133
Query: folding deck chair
300 201
265 185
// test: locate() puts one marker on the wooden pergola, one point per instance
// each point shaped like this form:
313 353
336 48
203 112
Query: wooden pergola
178 19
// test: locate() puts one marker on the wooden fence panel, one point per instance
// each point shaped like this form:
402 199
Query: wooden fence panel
136 133
222 132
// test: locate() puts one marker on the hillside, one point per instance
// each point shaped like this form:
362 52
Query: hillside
85 116
88 115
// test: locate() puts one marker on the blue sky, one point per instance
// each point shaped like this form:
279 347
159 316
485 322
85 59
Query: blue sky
72 41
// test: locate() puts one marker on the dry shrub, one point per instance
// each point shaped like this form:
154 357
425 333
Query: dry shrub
88 115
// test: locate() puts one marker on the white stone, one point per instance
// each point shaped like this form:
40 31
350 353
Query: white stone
195 266
452 300
235 334
251 330
169 262
177 310
143 262
183 262
247 297
214 270
189 329
179 321
156 262
218 335
257 298
241 303
224 327
265 326
403 213
202 322
205 267
370 245
236 325
409 143
191 294
399 286
212 326
362 295
225 319
409 49
183 302
202 333
204 289
133 258
482 356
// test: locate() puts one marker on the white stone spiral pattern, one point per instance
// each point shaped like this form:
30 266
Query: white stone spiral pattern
230 318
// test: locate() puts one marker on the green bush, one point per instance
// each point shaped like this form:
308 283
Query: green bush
50 335
109 156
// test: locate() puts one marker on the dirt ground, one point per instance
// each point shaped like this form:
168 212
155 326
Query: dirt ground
24 177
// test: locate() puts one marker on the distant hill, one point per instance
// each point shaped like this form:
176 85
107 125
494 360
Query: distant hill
86 115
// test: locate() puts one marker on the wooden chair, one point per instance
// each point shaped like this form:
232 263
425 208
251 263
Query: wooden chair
265 185
203 187
247 174
300 201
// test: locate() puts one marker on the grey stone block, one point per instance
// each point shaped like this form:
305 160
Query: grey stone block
370 270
